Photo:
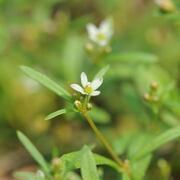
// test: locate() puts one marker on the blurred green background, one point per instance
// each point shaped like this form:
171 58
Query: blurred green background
50 36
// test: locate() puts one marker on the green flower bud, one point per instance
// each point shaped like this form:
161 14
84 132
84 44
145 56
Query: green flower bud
165 6
89 106
147 97
56 163
89 48
154 86
78 105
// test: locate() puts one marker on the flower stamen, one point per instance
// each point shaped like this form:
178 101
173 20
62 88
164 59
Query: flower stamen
101 36
88 89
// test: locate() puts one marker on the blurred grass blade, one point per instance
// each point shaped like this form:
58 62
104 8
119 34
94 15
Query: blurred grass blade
55 114
102 72
48 83
133 57
158 141
88 165
140 167
33 151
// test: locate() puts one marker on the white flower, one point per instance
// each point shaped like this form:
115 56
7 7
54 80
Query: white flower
101 35
88 88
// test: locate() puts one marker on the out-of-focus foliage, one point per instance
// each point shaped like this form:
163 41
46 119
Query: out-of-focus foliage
50 36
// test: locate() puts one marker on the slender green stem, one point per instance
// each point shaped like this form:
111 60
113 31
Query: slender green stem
103 140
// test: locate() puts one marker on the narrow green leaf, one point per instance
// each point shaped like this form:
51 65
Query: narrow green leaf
33 151
102 72
133 57
55 114
158 141
140 167
45 81
88 165
101 160
137 143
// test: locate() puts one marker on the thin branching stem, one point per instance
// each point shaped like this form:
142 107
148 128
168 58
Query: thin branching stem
103 140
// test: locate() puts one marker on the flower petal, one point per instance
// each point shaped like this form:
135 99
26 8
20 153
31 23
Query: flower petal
97 83
92 31
84 79
78 88
95 93
106 28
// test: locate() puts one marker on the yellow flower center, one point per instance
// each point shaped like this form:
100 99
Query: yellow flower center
101 36
88 89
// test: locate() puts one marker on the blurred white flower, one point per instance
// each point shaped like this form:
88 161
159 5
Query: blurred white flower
88 88
101 35
40 174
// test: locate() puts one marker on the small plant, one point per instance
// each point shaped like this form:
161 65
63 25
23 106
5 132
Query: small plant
137 154
61 168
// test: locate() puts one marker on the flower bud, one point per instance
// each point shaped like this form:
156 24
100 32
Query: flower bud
56 164
126 165
89 47
147 97
89 106
165 6
154 85
78 104
164 167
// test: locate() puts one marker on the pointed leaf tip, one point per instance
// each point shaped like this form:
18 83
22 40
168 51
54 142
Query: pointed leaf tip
55 114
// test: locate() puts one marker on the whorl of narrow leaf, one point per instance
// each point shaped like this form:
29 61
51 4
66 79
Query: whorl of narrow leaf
33 151
47 82
74 159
